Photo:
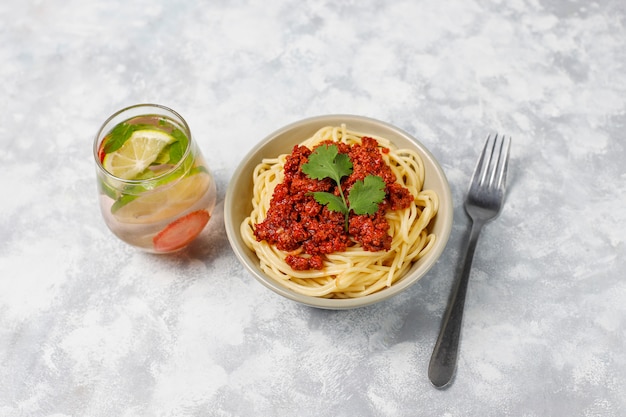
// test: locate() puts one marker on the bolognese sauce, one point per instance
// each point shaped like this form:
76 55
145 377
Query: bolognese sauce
296 223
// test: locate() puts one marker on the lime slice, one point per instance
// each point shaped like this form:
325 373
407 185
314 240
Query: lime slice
137 153
164 203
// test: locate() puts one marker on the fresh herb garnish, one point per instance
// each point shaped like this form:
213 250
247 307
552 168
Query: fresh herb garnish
364 196
134 191
119 135
177 149
327 162
171 154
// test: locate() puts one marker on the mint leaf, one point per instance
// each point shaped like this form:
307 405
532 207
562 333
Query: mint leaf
332 202
366 195
107 189
133 192
178 148
327 162
120 134
122 201
164 155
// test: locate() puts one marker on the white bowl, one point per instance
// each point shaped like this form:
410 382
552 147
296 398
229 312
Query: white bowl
237 204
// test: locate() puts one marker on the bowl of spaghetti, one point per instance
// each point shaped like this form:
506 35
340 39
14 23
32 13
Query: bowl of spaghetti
338 211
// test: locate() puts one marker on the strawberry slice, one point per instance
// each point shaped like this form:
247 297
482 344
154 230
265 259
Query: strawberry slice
101 152
181 232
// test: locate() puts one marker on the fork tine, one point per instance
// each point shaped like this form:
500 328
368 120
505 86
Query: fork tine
493 160
482 167
493 163
503 162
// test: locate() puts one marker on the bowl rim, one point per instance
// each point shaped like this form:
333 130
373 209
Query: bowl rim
238 247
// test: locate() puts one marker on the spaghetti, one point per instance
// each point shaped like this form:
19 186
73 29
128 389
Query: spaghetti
356 270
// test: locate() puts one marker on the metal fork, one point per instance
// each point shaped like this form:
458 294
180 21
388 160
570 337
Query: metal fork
483 203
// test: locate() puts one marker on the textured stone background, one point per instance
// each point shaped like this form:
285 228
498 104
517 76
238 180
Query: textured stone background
90 327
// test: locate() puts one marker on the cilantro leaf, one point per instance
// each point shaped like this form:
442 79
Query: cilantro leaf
327 162
366 195
332 202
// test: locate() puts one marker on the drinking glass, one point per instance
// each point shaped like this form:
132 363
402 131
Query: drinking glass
155 189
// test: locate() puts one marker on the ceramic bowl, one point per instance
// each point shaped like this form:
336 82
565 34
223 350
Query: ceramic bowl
237 204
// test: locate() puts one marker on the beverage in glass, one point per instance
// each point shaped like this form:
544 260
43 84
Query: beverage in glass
156 191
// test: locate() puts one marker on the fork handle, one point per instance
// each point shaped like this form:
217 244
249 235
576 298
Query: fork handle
443 360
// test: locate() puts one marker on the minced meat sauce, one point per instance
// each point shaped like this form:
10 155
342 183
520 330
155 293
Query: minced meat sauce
298 224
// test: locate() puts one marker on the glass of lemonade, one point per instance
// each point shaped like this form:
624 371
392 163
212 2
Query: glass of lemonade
156 191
